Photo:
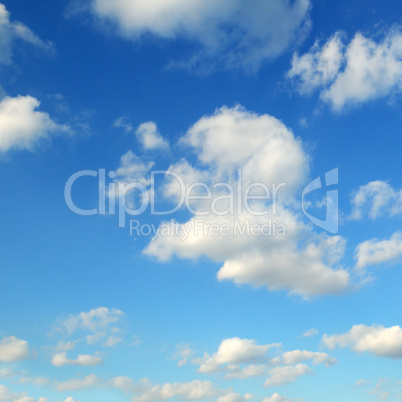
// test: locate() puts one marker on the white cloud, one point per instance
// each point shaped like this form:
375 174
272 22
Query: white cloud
299 356
123 383
70 399
233 351
375 252
318 67
89 381
266 151
22 126
253 370
112 340
377 339
100 323
150 138
310 332
277 398
231 33
182 354
376 199
353 74
234 397
286 374
61 359
6 395
13 349
189 391
10 31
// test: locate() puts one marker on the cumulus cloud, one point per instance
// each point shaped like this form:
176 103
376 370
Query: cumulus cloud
61 359
286 374
376 199
189 391
22 126
87 382
7 395
234 397
100 322
231 33
377 339
150 138
11 31
299 356
13 349
291 256
71 399
351 74
277 398
233 351
375 252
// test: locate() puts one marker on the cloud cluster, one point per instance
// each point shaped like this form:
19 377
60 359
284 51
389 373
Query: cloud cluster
377 339
277 398
376 199
22 126
233 33
351 74
6 395
265 151
244 358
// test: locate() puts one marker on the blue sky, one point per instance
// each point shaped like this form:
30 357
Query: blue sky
283 92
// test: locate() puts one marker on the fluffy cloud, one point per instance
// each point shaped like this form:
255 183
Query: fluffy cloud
70 399
61 359
277 398
100 323
353 74
10 31
232 33
234 397
150 137
286 374
6 395
376 199
291 256
22 126
189 391
13 349
299 356
87 382
233 351
376 339
374 252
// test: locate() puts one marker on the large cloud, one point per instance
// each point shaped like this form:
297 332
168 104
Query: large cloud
10 31
377 339
353 74
235 33
22 126
13 349
290 255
